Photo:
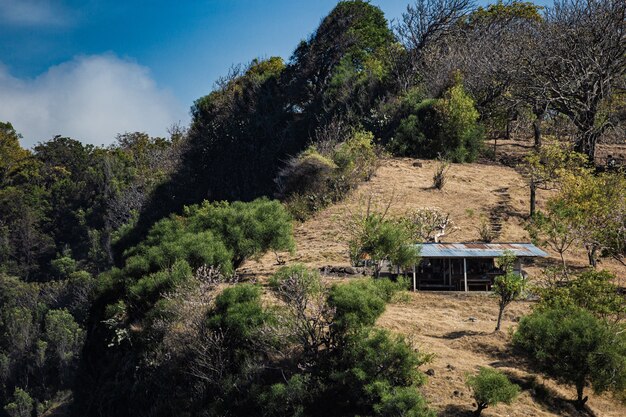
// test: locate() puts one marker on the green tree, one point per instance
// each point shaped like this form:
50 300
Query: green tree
490 388
575 347
593 291
21 406
64 337
383 240
460 136
507 287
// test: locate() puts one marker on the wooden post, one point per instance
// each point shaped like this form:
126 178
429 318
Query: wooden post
465 272
414 279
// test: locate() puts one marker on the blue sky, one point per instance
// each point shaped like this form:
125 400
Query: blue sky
90 69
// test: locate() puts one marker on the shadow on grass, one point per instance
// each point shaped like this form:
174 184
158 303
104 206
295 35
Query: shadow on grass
454 410
547 397
461 333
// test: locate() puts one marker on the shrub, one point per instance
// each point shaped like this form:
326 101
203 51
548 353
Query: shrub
324 173
238 312
64 336
308 173
376 374
439 177
575 347
491 387
356 158
461 136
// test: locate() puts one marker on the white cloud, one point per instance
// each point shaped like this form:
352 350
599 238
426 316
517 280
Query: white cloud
91 98
34 13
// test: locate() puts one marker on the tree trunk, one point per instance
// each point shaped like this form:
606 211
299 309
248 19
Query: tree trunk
537 127
480 409
580 400
533 197
591 255
586 143
499 318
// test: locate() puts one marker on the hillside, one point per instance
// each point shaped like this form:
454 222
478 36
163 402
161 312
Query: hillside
457 328
485 189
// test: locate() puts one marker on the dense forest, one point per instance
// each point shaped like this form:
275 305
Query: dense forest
119 284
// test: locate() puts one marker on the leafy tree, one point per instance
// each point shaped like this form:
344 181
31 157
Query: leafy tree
490 388
21 406
595 209
507 287
12 155
460 136
573 346
383 240
445 127
546 167
593 291
554 230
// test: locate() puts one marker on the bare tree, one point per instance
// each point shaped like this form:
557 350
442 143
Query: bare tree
582 59
427 21
430 224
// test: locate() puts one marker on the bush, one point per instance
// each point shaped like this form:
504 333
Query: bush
376 374
326 172
447 126
491 387
356 304
575 347
238 312
439 177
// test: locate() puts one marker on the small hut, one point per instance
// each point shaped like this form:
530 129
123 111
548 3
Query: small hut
466 266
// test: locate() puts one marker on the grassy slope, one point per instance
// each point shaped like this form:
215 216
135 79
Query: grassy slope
440 323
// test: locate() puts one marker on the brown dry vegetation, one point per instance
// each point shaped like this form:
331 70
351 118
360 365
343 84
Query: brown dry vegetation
440 323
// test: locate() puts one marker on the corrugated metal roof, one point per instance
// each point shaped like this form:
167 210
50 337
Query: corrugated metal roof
479 250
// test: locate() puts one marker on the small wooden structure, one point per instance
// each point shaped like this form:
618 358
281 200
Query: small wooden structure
466 266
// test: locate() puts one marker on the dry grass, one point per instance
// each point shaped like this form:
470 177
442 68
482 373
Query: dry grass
458 329
470 188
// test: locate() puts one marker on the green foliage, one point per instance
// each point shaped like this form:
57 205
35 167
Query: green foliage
357 304
592 290
21 406
63 335
490 388
238 312
381 239
594 208
507 287
64 265
460 133
356 157
379 377
445 127
312 180
575 347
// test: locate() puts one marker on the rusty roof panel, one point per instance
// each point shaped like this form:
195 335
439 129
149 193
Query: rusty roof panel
479 250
